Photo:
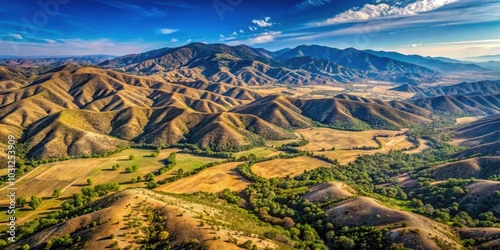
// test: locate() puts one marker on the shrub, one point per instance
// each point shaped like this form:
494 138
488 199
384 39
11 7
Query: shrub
35 202
56 193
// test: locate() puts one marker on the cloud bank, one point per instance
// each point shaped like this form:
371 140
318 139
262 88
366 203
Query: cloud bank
372 11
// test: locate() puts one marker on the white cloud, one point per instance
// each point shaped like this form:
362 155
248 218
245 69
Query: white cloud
414 45
166 31
189 40
263 22
174 40
234 33
221 36
371 11
259 39
16 36
264 37
242 31
252 28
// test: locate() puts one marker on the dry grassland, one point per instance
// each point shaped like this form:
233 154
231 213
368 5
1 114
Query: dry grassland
287 167
214 179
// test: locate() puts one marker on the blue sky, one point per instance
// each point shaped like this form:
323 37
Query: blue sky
452 28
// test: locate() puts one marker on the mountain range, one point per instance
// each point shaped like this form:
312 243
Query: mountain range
305 64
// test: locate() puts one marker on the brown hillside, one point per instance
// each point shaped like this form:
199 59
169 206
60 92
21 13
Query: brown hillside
421 232
277 110
72 133
80 132
486 238
480 167
480 194
482 137
461 105
339 112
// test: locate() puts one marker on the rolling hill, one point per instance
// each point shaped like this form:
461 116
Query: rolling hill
114 218
75 111
460 105
481 137
480 167
421 232
483 131
464 88
336 112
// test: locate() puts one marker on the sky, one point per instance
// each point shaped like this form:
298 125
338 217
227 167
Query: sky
450 28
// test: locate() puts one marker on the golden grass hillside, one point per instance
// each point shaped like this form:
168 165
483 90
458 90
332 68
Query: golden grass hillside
80 132
184 220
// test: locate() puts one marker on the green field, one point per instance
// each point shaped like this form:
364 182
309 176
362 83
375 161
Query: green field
259 152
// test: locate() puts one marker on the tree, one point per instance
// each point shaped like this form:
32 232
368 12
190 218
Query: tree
346 243
457 191
252 157
163 236
56 193
248 244
21 201
89 181
149 177
132 169
151 184
35 202
180 172
131 157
